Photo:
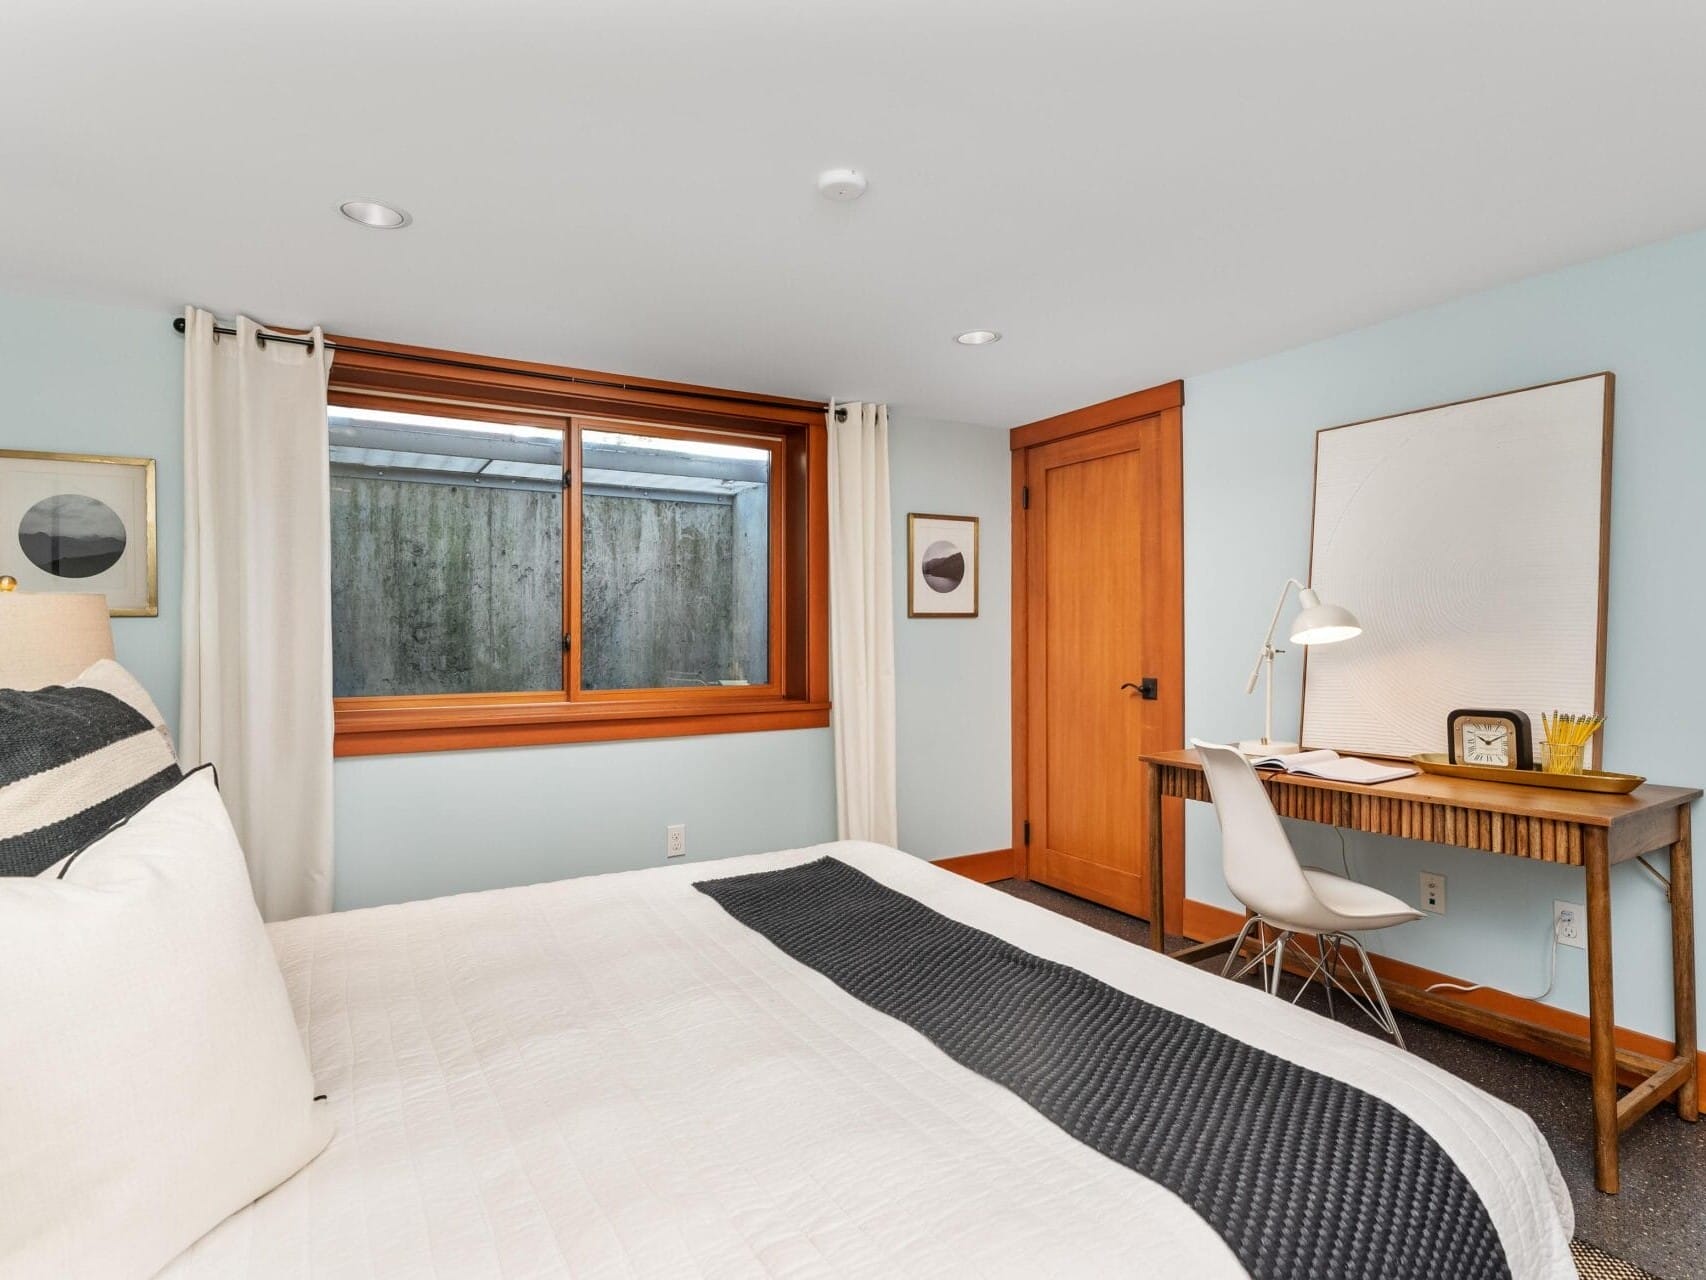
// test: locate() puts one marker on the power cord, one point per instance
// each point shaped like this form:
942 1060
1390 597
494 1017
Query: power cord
1552 962
1551 926
1551 973
1372 942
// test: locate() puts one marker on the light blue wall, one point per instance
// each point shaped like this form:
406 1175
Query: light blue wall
1248 479
510 817
76 378
445 822
952 676
416 826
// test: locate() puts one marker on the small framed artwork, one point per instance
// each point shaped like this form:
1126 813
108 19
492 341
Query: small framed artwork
75 522
941 556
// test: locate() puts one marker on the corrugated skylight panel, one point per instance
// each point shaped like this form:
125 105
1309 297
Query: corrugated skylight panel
384 459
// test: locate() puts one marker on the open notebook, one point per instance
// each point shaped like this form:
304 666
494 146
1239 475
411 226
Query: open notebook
1334 767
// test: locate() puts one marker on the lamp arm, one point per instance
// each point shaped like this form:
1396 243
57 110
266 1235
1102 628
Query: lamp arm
1268 640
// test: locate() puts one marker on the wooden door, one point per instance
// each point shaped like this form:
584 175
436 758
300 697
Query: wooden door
1102 618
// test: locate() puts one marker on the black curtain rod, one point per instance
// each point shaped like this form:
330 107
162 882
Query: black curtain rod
298 340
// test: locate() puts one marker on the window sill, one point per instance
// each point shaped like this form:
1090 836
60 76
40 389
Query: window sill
371 726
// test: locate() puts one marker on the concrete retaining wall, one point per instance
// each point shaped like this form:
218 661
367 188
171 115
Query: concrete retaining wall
444 588
441 588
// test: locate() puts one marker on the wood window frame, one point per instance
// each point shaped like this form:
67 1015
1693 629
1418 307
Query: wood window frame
392 376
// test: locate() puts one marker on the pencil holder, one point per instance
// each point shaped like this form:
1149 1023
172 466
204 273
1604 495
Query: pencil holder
1562 757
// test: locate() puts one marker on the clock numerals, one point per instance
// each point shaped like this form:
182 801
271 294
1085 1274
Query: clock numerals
1487 744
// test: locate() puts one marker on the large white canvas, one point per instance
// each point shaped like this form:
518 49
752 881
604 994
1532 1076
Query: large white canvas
1467 540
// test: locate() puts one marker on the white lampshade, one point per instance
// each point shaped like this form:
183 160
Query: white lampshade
1318 623
47 638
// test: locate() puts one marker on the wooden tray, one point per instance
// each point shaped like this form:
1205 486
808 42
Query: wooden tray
1615 784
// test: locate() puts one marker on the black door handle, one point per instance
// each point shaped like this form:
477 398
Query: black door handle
1149 690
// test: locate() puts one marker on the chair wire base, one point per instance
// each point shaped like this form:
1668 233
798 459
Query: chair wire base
1325 963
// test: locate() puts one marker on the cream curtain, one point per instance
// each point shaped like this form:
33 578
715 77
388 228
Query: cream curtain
861 623
257 645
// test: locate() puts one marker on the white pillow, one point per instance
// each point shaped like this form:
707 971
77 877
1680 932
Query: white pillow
154 1079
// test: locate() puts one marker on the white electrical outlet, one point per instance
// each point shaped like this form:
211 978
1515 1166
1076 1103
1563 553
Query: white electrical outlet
677 847
1569 924
1433 892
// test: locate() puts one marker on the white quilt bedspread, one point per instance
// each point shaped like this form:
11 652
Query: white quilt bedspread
610 1077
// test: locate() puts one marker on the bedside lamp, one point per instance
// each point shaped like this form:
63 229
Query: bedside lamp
1316 623
47 638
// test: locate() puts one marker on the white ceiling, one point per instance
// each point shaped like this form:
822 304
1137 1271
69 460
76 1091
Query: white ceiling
1130 192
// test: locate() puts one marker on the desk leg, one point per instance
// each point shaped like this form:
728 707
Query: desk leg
1682 963
1602 1019
1157 871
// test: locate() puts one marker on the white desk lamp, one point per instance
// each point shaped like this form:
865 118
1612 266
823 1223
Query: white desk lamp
1316 623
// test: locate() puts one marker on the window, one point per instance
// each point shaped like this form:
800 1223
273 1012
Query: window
447 554
675 562
517 559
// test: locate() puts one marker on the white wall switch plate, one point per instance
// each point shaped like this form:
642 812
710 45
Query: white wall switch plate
1433 892
677 847
1569 924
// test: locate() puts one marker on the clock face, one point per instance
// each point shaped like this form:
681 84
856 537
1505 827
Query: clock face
1491 737
1486 742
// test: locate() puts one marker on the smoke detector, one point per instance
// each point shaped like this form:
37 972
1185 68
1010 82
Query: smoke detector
841 184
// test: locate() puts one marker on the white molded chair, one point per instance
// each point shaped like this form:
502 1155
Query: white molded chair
1281 894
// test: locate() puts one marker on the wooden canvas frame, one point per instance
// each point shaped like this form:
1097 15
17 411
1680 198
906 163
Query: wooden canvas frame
1599 526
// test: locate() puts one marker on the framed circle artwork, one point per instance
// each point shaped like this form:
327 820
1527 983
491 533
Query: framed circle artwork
942 566
84 523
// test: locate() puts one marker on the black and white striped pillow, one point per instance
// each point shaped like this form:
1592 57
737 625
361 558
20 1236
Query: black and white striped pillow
75 759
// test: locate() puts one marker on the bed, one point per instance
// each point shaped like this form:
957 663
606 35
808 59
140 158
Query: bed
615 1076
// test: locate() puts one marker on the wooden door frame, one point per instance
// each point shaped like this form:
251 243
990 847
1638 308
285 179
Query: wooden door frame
1165 403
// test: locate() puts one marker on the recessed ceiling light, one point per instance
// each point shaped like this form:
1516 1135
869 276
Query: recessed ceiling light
977 337
370 213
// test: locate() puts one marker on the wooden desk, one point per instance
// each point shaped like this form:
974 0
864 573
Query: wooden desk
1572 828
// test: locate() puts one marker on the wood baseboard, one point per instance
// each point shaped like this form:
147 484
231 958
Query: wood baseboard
1543 1030
996 864
1204 921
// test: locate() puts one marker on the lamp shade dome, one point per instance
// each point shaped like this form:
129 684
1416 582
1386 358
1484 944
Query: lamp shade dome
1318 623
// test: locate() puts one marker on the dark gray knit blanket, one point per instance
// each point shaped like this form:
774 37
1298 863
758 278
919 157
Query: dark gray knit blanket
1303 1176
